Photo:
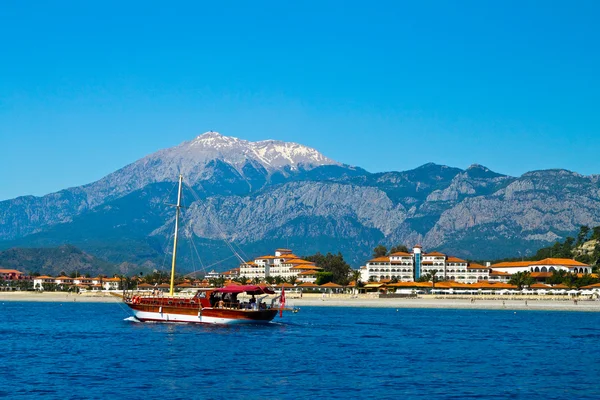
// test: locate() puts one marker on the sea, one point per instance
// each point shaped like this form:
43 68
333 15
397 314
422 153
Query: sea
96 351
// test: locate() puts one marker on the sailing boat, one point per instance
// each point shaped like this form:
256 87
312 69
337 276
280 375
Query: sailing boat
214 306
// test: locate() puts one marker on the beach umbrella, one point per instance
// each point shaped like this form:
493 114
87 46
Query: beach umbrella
587 292
542 291
573 291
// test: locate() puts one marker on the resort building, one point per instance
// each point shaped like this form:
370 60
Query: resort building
409 267
97 283
284 264
231 274
545 265
12 275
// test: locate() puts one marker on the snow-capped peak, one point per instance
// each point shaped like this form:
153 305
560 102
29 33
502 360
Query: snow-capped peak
271 154
190 158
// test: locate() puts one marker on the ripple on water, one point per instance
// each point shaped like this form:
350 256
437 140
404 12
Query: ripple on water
79 349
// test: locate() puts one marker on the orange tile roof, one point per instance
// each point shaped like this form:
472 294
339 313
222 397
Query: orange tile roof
308 267
500 273
435 253
380 259
286 285
476 266
559 261
400 253
591 275
299 261
331 285
309 272
455 260
309 284
265 257
512 264
540 286
43 277
595 285
541 274
546 261
560 286
411 284
10 271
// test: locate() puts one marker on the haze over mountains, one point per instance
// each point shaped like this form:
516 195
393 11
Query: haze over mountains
268 194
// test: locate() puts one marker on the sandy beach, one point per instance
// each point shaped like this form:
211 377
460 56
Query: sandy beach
524 303
58 297
456 303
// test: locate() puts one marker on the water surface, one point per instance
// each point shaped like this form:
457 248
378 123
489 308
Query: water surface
77 351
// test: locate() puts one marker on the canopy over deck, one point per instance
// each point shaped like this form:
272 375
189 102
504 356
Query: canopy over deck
250 289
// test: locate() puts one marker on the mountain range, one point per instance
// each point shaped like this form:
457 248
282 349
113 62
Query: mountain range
268 194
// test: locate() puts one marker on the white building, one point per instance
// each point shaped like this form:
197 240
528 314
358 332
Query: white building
409 267
545 265
284 264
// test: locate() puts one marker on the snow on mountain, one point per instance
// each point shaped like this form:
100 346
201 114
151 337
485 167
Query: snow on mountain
210 156
271 154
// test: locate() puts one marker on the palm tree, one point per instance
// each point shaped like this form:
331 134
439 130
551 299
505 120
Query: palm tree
570 279
433 278
290 279
521 279
558 276
356 278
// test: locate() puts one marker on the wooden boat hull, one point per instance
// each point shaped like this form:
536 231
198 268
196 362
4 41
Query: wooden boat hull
196 315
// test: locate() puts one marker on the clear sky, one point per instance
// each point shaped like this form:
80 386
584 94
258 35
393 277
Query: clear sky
88 87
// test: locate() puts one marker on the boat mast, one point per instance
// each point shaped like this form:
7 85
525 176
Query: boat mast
178 207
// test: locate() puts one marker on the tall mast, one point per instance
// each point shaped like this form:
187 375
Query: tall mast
178 207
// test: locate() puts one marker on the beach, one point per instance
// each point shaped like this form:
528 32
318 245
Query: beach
59 297
426 301
453 303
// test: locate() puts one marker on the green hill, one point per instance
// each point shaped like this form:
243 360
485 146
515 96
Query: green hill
53 261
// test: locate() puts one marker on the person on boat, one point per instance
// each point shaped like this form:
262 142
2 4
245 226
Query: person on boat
221 304
253 302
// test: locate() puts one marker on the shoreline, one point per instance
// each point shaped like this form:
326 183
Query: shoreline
433 302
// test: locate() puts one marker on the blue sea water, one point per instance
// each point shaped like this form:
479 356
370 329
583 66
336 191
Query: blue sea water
80 351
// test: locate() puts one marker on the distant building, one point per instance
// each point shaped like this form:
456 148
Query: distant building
409 267
12 275
284 263
542 269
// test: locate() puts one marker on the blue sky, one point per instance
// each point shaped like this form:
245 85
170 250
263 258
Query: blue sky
89 88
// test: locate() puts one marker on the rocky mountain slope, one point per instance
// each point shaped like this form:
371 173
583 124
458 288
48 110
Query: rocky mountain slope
267 194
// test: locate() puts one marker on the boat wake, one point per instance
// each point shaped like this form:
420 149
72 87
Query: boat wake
132 319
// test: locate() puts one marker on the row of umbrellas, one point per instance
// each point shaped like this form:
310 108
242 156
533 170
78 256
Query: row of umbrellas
524 291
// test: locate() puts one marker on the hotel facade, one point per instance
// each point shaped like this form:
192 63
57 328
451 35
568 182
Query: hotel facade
284 264
409 267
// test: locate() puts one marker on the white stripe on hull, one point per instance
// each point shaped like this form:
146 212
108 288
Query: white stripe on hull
194 319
